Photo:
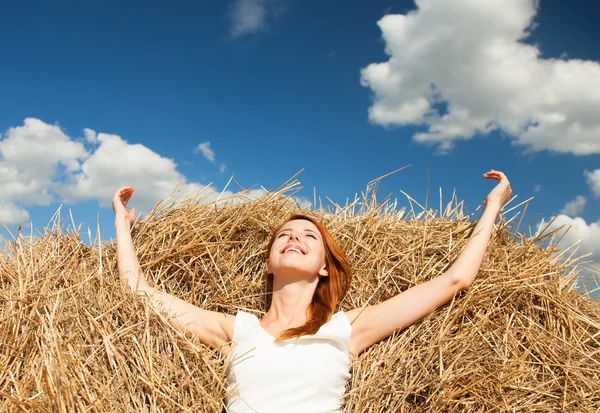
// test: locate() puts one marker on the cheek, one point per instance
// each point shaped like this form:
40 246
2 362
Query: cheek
322 257
270 256
272 251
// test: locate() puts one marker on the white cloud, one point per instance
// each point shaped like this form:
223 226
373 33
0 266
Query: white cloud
116 163
251 16
12 214
206 151
31 156
469 57
580 230
574 207
90 135
593 180
537 188
40 164
209 153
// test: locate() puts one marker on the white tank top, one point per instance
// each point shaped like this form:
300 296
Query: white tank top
305 375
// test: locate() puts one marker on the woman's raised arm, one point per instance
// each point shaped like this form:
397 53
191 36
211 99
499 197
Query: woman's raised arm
212 328
374 323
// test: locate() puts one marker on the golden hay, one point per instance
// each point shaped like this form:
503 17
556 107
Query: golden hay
72 338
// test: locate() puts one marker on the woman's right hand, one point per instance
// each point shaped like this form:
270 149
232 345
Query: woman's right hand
119 202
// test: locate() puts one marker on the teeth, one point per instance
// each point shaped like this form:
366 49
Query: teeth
293 249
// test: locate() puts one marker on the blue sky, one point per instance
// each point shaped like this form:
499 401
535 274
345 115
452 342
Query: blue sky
96 96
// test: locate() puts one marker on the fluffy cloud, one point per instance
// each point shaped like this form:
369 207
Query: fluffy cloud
251 16
461 68
90 135
593 180
31 157
206 151
574 207
579 229
12 214
116 163
40 164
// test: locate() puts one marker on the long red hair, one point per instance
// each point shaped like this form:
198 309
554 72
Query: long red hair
330 290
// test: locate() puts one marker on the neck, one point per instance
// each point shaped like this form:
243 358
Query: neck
291 300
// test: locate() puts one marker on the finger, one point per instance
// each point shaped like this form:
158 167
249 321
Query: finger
121 196
492 175
125 200
494 172
124 189
503 179
498 175
125 195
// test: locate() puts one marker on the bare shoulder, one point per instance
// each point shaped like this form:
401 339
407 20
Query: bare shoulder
353 314
357 322
227 322
221 334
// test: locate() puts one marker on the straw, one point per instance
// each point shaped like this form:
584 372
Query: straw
74 339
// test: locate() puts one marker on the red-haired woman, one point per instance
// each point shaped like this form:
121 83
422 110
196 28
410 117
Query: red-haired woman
296 359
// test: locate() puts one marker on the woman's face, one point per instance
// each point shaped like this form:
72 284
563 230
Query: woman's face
298 249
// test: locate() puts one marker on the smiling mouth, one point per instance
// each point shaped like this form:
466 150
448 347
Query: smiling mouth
293 249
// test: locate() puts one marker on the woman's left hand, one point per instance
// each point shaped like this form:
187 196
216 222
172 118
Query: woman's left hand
501 193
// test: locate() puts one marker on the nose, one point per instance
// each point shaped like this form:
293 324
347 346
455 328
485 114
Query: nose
294 235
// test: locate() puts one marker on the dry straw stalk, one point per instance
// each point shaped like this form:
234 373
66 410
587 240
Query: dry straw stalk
73 339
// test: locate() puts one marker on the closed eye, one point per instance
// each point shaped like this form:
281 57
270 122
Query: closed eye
313 236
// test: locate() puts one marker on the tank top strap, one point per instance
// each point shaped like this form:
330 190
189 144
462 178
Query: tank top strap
338 328
242 322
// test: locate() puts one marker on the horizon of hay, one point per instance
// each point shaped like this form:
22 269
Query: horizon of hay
72 338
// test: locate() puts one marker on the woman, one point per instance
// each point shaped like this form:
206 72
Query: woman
296 358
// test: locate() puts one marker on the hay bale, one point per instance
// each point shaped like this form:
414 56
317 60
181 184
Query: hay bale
72 338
